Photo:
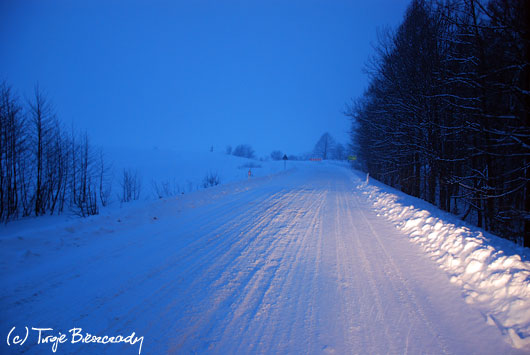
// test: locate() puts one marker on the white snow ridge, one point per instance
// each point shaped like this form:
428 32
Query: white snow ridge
489 269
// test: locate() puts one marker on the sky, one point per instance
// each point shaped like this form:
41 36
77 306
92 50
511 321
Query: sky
188 75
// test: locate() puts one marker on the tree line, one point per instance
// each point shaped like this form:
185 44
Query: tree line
446 116
325 148
44 167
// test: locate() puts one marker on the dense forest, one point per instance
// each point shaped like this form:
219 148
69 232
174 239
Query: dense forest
446 115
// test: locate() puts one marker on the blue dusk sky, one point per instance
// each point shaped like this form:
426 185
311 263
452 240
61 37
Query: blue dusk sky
190 74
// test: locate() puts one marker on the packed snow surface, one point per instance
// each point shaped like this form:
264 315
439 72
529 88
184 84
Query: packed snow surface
295 262
493 273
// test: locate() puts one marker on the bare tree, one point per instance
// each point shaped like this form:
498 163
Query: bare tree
324 146
42 118
339 152
105 180
86 189
131 186
12 150
42 168
57 169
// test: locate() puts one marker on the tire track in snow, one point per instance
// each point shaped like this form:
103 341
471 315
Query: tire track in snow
255 302
57 276
348 281
211 246
290 281
162 291
376 303
400 285
252 294
232 245
258 246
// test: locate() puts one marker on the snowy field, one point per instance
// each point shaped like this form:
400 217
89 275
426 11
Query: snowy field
183 171
306 260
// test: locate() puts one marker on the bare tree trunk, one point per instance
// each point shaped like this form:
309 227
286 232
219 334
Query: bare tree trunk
526 113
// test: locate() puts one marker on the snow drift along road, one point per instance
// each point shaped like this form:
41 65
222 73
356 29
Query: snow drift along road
292 263
493 272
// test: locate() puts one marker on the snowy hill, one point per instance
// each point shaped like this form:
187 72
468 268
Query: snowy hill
185 171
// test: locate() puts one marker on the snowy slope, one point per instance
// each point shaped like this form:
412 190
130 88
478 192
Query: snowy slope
493 272
294 262
184 170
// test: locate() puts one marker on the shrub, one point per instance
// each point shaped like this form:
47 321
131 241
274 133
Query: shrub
245 151
211 179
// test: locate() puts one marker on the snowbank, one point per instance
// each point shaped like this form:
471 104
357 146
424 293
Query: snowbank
494 273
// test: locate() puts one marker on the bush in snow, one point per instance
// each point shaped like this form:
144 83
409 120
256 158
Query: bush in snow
166 188
211 179
276 155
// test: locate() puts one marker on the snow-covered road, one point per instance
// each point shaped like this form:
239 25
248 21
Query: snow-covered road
292 263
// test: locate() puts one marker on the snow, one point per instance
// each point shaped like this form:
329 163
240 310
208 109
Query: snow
184 170
293 261
493 273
